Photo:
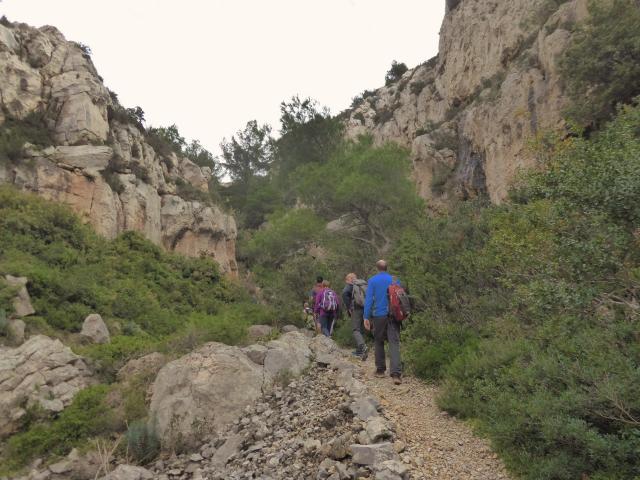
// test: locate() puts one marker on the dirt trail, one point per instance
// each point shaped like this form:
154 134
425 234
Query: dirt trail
440 446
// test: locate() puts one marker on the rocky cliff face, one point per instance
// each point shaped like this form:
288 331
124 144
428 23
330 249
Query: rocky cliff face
104 169
469 114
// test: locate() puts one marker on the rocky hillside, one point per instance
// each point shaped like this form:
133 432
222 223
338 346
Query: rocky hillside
469 114
97 161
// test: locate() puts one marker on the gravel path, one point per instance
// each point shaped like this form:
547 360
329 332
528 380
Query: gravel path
440 446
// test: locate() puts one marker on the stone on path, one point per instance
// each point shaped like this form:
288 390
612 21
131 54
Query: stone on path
373 454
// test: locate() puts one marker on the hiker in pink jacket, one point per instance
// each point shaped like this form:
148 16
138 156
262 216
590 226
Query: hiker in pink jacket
326 307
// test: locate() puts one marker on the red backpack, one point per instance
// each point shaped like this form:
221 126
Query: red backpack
399 303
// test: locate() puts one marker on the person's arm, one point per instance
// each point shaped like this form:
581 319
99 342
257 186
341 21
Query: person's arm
368 304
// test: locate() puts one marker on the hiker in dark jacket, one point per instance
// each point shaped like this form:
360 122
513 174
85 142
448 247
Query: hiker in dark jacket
326 316
356 314
376 316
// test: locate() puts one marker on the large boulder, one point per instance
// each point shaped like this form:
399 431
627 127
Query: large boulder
202 392
41 372
146 365
95 329
257 332
206 390
22 302
16 329
289 353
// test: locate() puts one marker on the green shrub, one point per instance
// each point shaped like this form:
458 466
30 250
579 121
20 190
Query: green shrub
530 310
108 358
118 113
601 67
73 272
188 192
417 87
142 441
4 323
14 133
436 345
87 416
141 172
395 73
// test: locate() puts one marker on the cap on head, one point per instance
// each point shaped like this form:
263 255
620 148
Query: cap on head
381 265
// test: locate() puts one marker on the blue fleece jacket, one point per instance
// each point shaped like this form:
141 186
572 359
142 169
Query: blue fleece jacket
376 300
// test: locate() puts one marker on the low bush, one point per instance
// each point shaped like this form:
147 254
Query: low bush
87 416
74 272
417 87
14 133
118 113
188 192
601 67
395 73
143 443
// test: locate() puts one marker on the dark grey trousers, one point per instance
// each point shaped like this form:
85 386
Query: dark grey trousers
357 324
385 328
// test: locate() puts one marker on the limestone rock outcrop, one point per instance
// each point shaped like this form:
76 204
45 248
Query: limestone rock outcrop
41 372
22 302
104 169
469 114
94 329
185 390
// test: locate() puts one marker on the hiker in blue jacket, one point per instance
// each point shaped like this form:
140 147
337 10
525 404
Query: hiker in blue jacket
376 315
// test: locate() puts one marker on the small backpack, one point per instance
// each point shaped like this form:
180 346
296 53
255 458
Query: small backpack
329 302
359 292
399 303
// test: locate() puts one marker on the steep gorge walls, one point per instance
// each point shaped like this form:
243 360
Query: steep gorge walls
99 163
469 114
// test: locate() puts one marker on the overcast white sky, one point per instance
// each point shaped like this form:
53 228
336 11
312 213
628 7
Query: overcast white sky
210 66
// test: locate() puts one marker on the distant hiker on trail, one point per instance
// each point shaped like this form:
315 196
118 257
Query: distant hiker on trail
327 308
377 315
353 297
308 317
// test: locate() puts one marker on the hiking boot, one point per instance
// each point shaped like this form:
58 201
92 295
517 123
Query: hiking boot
365 353
380 374
397 380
